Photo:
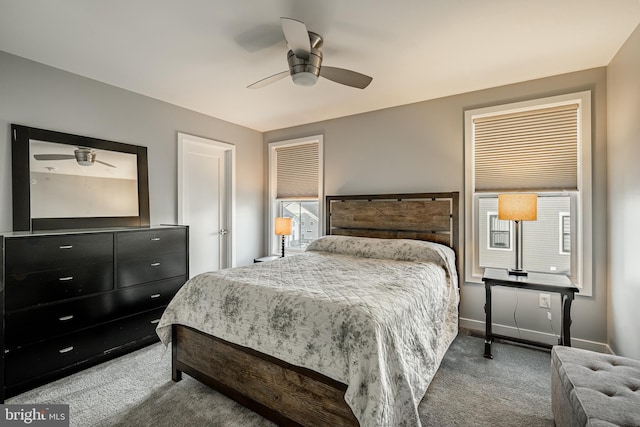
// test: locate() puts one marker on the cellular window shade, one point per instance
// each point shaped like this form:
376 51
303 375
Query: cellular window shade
532 150
297 171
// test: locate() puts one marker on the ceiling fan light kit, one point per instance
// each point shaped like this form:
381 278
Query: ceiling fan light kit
305 78
305 60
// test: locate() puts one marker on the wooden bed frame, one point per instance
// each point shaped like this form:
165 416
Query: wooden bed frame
287 394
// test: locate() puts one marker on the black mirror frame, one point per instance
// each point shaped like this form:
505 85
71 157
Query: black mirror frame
22 221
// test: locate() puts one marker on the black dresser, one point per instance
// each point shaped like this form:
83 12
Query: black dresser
74 299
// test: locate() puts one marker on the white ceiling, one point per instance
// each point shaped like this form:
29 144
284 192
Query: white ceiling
201 54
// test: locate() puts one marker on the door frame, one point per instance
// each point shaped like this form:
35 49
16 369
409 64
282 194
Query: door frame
230 189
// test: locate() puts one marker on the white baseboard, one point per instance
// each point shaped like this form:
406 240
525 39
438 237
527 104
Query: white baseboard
527 334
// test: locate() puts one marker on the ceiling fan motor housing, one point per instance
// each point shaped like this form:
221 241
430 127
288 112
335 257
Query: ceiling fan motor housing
305 71
85 157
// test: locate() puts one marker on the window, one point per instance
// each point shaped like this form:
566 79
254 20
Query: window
499 232
301 212
540 237
295 190
541 146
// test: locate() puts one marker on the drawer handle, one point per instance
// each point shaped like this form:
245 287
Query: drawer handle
155 264
65 318
155 296
155 321
155 239
66 246
65 350
65 279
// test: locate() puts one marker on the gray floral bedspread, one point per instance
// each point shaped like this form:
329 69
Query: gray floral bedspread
375 314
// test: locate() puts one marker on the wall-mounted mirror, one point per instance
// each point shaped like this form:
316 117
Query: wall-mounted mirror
63 181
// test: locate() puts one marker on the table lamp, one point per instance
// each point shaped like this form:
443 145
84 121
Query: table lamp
283 228
517 208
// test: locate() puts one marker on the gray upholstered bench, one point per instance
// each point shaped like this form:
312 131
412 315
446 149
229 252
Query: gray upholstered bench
594 389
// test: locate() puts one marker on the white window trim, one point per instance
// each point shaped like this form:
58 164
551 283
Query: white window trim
561 215
582 245
510 248
273 240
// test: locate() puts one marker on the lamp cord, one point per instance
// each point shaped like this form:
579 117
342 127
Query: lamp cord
514 313
552 329
516 320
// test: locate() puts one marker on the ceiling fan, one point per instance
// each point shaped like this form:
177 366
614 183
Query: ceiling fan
83 155
305 60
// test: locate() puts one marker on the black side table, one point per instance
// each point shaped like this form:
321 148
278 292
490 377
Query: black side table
534 281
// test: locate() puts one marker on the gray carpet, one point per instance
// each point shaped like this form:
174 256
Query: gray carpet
513 389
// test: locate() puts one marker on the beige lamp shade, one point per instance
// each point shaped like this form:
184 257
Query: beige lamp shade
283 226
518 207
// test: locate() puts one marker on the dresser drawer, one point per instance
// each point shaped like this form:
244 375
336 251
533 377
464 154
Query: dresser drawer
24 290
30 362
150 268
40 253
145 297
52 320
132 244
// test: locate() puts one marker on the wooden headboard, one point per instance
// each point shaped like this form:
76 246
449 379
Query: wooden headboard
420 216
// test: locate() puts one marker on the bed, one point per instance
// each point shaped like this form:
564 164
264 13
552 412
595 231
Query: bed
348 333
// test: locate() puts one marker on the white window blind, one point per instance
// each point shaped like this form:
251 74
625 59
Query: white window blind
297 171
533 150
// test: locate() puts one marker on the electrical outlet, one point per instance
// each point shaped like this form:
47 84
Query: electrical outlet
549 315
544 301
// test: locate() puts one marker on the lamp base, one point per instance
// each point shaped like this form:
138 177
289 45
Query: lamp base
514 272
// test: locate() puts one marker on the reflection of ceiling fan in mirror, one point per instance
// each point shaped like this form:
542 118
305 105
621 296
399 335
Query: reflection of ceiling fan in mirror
84 156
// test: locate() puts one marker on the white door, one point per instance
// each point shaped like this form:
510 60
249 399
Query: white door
205 191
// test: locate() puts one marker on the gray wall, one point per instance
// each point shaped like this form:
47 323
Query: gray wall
419 147
36 95
623 115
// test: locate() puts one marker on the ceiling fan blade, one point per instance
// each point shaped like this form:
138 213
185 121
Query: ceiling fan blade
345 77
297 37
105 163
268 80
53 156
